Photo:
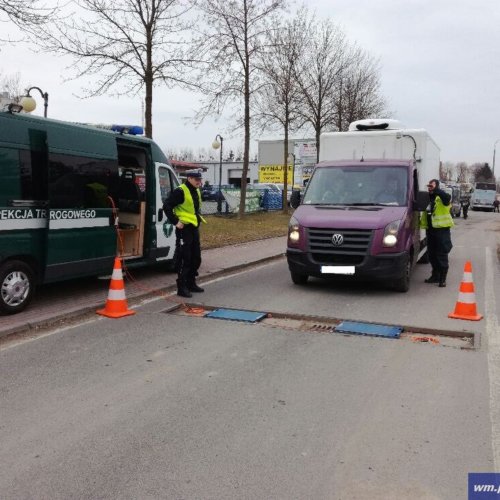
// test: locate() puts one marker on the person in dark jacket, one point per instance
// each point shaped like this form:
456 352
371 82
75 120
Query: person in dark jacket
465 207
437 221
182 209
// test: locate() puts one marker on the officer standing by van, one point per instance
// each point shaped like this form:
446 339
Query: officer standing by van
182 209
437 221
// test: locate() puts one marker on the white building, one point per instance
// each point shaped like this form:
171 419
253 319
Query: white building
231 172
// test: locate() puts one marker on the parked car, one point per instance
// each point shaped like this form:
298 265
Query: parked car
262 186
210 193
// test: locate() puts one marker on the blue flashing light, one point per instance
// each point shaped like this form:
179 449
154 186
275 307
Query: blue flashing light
128 129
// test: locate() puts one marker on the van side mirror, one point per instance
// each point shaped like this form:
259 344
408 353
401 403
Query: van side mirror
423 199
295 199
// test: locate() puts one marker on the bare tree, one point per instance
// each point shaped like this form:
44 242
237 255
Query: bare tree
233 35
318 74
26 14
278 102
462 170
128 45
483 173
446 171
358 92
12 85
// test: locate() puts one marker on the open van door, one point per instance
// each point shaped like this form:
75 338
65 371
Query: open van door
166 181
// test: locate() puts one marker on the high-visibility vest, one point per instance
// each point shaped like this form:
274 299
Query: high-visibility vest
185 211
440 217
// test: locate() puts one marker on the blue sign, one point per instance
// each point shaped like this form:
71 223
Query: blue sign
484 485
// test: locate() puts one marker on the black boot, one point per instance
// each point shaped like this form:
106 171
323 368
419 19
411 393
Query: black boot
183 290
442 278
434 277
193 287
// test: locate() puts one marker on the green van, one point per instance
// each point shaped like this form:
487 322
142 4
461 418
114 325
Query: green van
72 197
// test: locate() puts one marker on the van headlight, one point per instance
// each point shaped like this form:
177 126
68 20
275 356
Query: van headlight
293 230
390 238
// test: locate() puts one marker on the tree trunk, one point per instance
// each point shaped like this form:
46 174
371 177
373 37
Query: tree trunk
148 82
285 171
246 122
246 151
148 114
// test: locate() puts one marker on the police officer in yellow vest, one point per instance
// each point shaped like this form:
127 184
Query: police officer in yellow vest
182 209
437 221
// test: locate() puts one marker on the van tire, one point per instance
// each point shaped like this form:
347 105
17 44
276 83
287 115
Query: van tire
299 278
402 284
17 285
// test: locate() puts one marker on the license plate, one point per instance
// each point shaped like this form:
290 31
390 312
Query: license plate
337 269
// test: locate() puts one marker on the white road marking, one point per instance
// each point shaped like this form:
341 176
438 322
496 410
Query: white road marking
207 281
37 336
493 340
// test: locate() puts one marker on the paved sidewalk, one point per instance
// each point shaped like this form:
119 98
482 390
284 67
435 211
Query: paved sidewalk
61 301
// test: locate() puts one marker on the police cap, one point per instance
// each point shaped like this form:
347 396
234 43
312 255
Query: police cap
194 173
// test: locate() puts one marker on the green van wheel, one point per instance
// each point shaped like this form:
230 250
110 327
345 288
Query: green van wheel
16 286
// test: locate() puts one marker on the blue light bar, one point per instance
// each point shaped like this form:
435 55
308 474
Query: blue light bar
128 129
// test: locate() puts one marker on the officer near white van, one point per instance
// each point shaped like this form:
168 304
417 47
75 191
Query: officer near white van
437 221
182 209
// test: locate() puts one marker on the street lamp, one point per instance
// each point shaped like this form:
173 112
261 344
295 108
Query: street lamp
29 104
216 145
494 151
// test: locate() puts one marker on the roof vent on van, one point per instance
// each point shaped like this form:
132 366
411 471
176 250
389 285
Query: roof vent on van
376 124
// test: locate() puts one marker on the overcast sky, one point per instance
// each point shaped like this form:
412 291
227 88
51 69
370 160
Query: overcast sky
439 71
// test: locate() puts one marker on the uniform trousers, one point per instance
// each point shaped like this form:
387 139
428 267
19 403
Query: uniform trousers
188 253
438 247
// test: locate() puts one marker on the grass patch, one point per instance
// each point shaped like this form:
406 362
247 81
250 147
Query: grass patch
229 230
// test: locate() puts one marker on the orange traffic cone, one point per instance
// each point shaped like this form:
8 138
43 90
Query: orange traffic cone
116 305
465 307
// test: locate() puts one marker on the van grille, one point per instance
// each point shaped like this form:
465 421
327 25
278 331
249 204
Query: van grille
352 251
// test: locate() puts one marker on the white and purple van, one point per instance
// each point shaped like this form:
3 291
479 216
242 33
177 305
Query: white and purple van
359 215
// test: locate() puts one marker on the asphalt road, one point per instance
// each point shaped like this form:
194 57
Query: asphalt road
161 405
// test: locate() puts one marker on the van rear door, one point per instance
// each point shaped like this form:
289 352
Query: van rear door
166 181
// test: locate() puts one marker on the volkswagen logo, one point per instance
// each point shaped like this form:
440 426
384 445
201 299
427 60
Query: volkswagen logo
337 239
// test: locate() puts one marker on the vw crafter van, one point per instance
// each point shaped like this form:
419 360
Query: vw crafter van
72 197
359 215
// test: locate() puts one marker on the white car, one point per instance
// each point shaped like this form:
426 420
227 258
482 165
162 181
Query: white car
273 188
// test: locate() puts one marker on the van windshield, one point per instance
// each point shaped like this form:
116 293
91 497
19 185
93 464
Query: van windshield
371 185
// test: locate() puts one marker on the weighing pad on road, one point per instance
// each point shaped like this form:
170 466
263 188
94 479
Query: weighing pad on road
369 329
235 315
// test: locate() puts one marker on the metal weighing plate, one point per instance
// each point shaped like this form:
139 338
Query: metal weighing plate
369 329
235 315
